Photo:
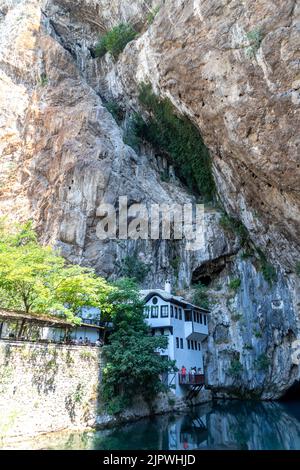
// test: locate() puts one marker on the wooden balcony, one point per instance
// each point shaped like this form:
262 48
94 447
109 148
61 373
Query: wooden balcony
191 379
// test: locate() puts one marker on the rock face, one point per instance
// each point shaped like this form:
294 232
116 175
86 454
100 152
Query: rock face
232 68
252 330
64 154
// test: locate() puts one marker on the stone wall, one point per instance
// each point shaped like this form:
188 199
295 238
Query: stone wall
45 388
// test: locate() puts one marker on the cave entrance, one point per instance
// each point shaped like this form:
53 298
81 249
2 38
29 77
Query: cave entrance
209 271
293 393
205 280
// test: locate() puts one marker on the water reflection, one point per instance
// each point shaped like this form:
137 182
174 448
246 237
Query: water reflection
222 425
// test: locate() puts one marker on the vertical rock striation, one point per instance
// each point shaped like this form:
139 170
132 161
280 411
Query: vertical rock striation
233 69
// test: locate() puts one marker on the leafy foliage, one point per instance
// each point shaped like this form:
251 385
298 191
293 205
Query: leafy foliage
133 267
43 81
297 268
200 296
234 284
267 269
115 110
262 362
133 366
255 38
235 226
115 40
180 139
236 368
257 333
35 278
175 263
133 131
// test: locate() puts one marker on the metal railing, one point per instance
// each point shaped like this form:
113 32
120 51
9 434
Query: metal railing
191 379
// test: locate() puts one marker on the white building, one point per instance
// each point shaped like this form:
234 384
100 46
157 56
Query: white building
18 325
186 326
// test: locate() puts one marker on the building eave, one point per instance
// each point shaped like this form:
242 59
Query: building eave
43 320
174 300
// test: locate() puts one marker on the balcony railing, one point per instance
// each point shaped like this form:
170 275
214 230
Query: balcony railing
191 379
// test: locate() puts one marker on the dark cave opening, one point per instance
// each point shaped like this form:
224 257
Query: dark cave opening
293 393
205 280
209 271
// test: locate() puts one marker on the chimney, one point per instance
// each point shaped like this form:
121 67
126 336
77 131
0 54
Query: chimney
168 286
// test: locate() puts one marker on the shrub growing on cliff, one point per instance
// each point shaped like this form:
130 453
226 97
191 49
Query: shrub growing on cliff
115 110
262 363
180 139
236 368
115 40
267 269
255 38
133 267
132 131
235 226
234 284
133 367
200 296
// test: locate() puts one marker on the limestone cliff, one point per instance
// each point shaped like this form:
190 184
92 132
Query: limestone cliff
231 67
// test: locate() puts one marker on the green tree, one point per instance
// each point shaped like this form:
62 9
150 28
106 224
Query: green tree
133 365
34 278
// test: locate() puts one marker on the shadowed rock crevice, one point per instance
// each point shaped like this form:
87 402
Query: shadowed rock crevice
210 270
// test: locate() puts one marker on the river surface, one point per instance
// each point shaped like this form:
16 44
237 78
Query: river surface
222 425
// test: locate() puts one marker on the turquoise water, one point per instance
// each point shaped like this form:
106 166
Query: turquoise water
222 425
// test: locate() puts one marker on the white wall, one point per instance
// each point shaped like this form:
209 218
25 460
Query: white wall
92 334
187 357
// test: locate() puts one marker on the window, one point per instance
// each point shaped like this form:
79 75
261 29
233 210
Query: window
154 300
192 343
177 342
201 321
205 320
197 317
199 346
146 311
164 311
188 344
172 311
188 315
176 312
180 313
154 312
181 343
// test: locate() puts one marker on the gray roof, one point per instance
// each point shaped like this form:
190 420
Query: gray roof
42 319
147 293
